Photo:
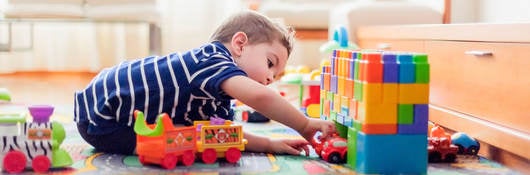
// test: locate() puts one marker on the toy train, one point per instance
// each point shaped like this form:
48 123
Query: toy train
164 144
32 143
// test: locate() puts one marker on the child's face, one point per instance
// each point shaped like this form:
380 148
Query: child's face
263 62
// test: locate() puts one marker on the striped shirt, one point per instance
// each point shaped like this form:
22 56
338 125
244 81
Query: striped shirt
184 85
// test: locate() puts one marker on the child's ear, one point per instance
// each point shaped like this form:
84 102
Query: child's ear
238 41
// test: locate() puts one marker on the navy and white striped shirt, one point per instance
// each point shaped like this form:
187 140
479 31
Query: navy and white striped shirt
184 85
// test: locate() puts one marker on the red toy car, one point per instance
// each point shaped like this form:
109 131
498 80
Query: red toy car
332 149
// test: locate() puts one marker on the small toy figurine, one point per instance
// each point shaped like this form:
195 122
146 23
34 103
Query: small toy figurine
331 149
32 144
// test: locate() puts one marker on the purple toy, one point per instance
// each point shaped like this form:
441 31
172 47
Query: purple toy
41 113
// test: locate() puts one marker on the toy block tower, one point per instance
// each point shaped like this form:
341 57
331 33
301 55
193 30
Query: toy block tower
379 101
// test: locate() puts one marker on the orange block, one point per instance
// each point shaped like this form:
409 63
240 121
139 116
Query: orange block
390 93
348 88
379 128
373 68
372 92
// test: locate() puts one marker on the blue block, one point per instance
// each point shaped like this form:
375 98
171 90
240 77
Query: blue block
348 121
406 68
420 124
334 83
340 118
390 68
391 154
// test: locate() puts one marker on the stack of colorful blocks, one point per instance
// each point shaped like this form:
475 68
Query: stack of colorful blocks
379 101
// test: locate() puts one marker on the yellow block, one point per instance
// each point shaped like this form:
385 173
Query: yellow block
345 101
340 85
372 92
313 110
336 103
353 109
377 113
413 93
390 93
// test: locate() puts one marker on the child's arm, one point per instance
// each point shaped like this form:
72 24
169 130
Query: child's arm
272 105
258 143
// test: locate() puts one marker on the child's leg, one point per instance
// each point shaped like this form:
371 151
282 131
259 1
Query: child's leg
121 141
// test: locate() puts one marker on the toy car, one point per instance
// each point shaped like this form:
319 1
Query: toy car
332 149
440 147
465 143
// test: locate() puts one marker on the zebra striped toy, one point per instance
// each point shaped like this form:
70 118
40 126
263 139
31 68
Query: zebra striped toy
32 144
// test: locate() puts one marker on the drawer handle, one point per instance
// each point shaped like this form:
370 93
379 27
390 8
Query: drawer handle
383 46
479 53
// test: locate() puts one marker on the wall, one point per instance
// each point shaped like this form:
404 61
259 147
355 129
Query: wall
74 46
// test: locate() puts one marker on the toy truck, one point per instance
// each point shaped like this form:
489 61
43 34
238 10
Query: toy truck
440 148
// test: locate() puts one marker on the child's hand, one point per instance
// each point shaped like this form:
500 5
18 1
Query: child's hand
288 146
313 125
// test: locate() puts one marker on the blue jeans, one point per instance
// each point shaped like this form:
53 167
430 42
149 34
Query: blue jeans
121 141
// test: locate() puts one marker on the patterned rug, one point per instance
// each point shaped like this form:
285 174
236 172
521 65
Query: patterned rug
86 161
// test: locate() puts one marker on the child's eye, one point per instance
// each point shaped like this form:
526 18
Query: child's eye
270 63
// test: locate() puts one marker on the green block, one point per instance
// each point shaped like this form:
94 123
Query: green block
422 67
405 113
341 129
329 96
358 90
333 116
357 125
356 65
351 155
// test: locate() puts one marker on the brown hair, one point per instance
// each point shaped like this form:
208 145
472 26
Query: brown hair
257 27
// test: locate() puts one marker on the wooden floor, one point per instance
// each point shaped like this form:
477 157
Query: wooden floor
52 88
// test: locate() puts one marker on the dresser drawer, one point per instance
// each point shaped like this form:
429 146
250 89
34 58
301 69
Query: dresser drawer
393 45
495 88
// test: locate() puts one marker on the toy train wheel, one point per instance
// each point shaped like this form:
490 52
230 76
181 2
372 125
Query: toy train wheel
169 161
41 164
232 155
14 162
188 158
209 156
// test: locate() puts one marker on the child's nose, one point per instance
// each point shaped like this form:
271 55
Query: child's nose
270 78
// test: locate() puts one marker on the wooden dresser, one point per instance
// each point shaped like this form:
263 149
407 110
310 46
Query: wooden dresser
480 80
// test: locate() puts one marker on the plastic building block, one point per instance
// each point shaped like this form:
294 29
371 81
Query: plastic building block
390 68
419 126
422 68
380 101
407 154
407 72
